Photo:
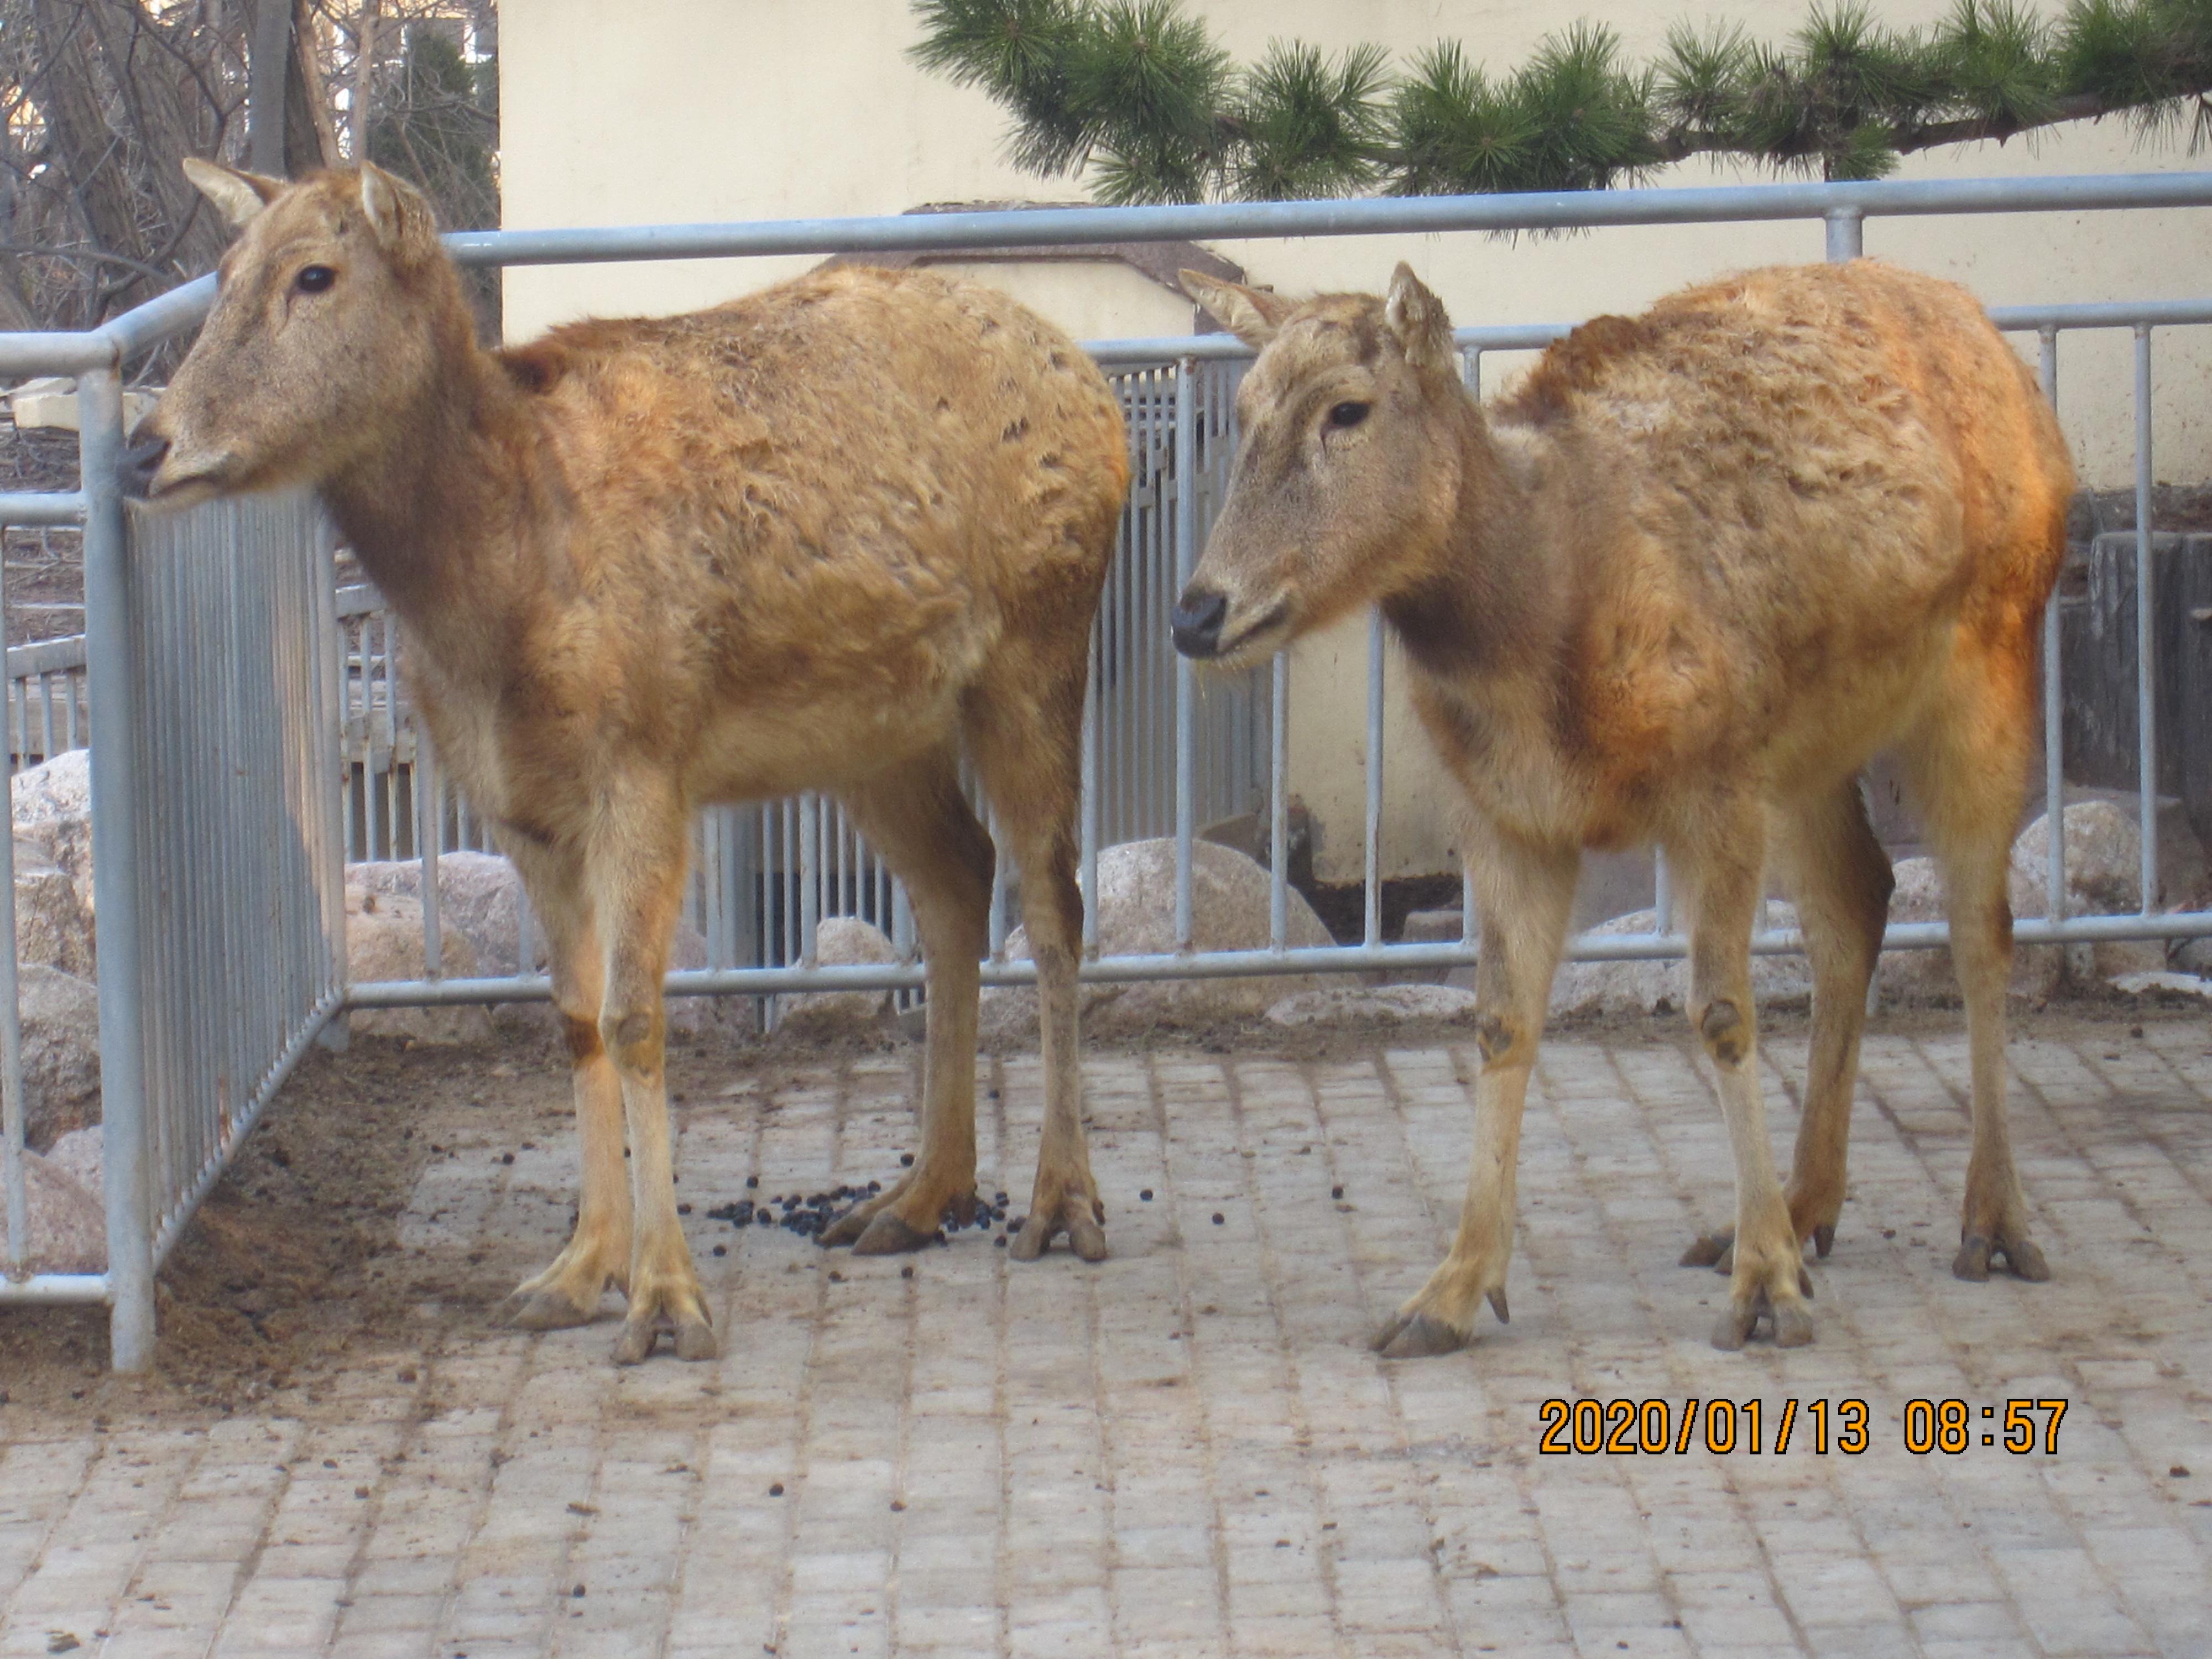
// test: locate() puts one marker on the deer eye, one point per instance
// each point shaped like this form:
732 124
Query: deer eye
1348 414
314 279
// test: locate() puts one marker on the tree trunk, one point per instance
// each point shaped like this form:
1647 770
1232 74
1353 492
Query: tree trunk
310 139
90 154
268 71
364 81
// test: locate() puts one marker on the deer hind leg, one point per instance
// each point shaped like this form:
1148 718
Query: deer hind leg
1524 895
921 825
1965 769
1027 746
1840 878
598 1252
1767 1277
635 875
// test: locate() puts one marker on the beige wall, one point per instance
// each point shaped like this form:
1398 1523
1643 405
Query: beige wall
689 110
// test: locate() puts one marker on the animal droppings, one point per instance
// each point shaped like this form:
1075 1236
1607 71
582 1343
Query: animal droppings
1001 1241
906 1160
775 1489
507 1157
577 1593
683 1209
1336 1192
1217 1217
721 1249
1145 1196
751 1181
907 1271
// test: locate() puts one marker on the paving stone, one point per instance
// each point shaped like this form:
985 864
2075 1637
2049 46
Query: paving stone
1189 1448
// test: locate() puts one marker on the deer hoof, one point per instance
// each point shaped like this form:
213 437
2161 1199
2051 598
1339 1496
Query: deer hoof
696 1340
1709 1249
1973 1261
1077 1215
1977 1250
1419 1336
1739 1322
1824 1239
886 1234
543 1310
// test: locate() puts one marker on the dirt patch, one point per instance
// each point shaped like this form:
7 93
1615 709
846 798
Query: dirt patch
292 1272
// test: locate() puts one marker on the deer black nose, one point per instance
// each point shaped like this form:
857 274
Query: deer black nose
141 461
1197 622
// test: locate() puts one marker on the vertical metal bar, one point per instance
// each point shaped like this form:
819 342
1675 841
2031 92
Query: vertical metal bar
810 875
1372 933
110 665
1846 234
1186 689
46 716
1469 923
2054 725
12 1115
2146 638
1279 805
427 833
1089 830
995 935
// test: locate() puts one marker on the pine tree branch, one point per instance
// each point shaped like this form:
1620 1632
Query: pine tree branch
1141 97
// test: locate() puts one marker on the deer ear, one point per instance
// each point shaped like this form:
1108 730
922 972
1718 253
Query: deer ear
1417 317
397 212
237 196
1252 315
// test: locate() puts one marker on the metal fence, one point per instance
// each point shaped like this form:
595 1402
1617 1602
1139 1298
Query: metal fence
266 740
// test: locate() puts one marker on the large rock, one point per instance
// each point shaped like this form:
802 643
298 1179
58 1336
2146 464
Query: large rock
1136 917
1656 987
65 1226
1373 1005
2104 862
81 1155
479 895
840 942
480 904
52 804
384 941
51 923
60 1017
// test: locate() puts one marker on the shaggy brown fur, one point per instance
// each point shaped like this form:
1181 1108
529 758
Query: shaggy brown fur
1679 588
821 537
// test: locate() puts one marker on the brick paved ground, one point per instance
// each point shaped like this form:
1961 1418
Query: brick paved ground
1188 1450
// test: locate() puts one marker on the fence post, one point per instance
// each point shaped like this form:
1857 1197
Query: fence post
112 683
1846 234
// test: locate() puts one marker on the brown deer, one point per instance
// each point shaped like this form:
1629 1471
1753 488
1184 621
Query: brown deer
821 537
1677 589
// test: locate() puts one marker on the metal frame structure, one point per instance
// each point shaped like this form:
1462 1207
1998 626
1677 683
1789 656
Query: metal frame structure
184 1080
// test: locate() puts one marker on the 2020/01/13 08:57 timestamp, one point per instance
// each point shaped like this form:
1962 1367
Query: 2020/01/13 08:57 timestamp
1659 1427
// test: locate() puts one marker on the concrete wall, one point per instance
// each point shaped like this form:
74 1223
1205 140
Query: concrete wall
675 110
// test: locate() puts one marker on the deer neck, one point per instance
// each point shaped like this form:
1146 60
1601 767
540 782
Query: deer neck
1483 604
434 510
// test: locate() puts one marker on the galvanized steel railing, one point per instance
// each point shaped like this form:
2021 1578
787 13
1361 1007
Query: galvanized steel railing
233 606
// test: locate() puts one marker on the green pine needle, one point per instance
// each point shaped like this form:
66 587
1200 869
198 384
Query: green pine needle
1140 93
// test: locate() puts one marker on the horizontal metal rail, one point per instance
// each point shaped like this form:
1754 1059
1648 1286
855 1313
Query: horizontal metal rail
1364 216
1221 964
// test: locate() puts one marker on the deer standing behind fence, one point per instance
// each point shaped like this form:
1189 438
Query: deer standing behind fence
825 536
1677 589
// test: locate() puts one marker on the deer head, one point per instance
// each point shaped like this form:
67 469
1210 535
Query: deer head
333 313
1347 476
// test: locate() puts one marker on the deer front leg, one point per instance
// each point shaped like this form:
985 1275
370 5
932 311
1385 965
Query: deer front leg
1767 1277
598 1252
636 874
1525 894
